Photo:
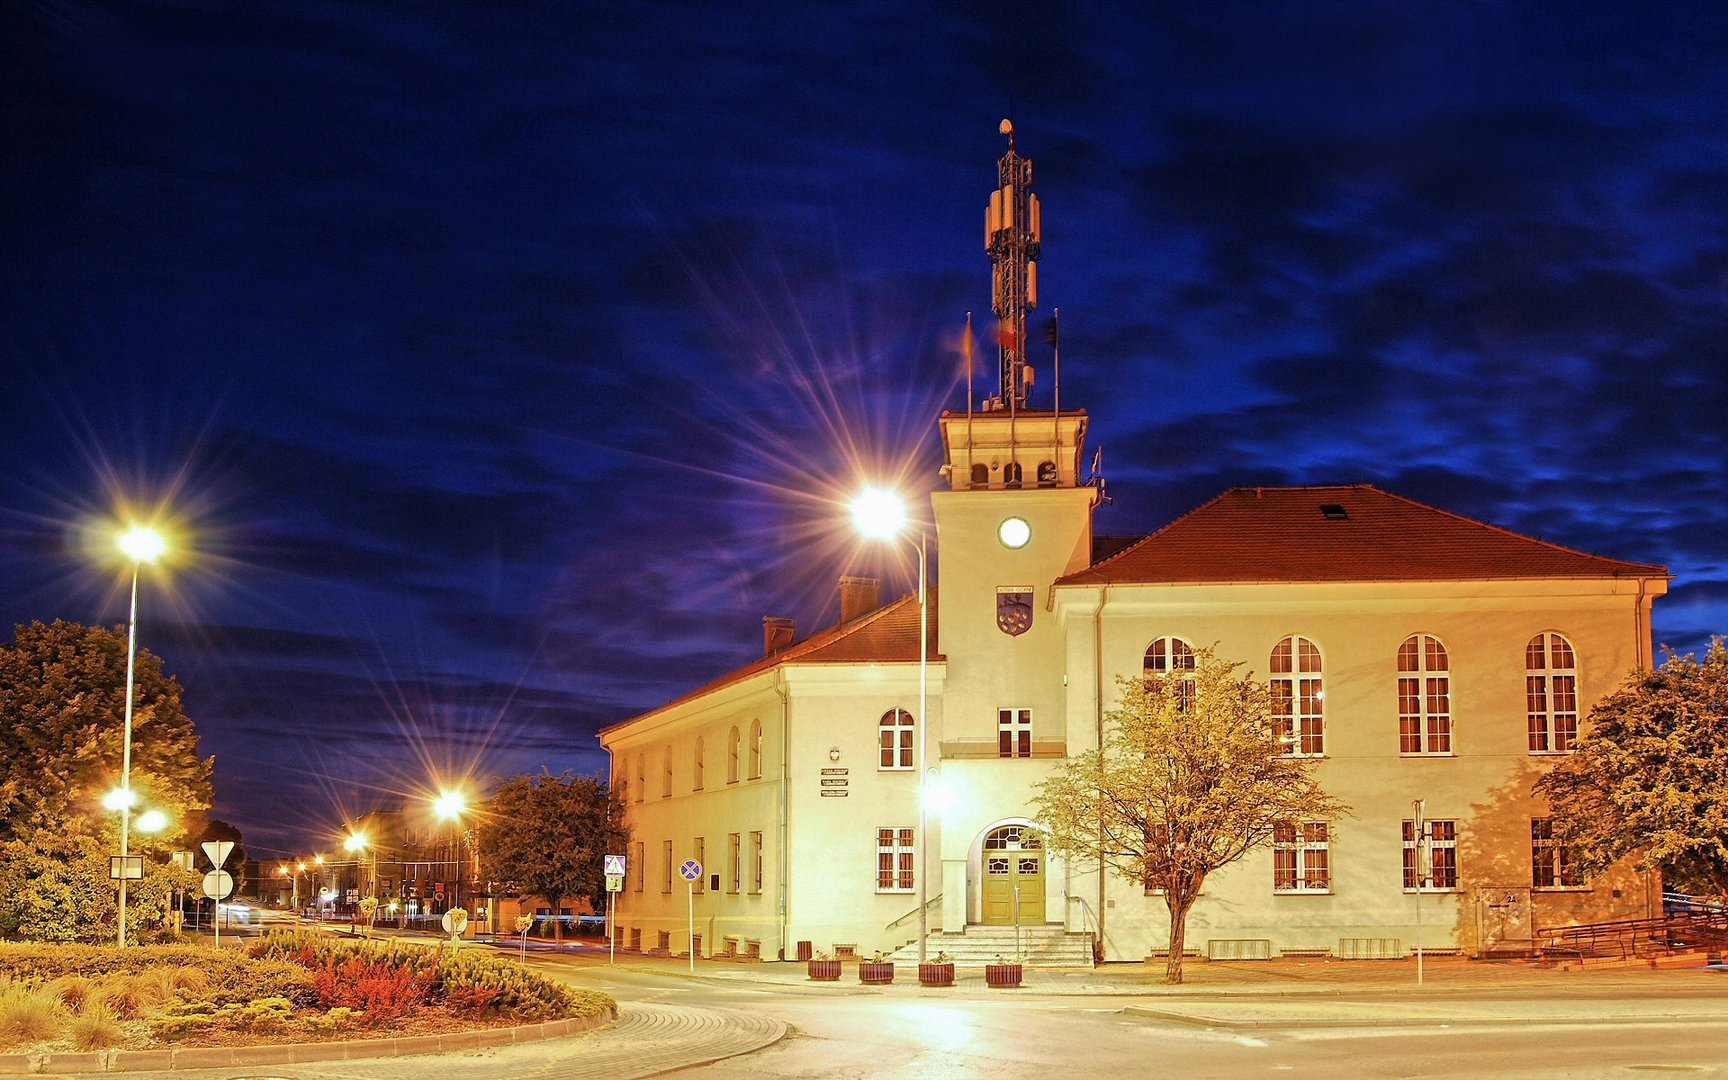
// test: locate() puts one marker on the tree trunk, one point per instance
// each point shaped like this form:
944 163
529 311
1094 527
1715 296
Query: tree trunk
1178 906
557 925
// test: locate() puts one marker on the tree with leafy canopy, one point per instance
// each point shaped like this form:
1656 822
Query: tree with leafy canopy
62 724
1650 775
548 835
1193 775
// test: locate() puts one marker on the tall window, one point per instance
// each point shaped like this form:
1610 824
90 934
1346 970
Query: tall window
1424 696
701 856
1172 655
734 863
1013 732
641 777
895 740
732 756
756 862
1301 857
641 864
696 766
1551 694
755 749
1299 696
666 776
1442 873
894 860
1551 865
666 865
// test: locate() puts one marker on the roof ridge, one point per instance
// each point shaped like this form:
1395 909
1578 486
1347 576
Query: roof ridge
1512 532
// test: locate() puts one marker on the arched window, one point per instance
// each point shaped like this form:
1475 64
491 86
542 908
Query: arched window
1046 474
1299 696
895 740
1551 693
755 749
1424 696
980 475
1172 656
1011 474
696 766
666 776
732 756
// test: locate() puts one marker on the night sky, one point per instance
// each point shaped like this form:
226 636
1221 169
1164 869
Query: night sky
502 367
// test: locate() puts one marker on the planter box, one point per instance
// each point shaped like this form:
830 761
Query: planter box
824 970
1002 975
936 974
875 974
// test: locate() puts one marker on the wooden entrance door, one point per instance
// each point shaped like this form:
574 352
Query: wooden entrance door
1013 876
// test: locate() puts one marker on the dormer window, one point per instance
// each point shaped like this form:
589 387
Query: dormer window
1334 512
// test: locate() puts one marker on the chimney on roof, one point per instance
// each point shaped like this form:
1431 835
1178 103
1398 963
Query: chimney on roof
858 596
777 633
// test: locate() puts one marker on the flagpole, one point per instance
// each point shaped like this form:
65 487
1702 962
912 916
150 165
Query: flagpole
971 347
1056 351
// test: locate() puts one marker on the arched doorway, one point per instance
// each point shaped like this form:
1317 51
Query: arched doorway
1013 864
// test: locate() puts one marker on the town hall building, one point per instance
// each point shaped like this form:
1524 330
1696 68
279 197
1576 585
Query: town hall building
1414 654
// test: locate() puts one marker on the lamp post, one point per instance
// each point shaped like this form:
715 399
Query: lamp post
318 878
450 806
881 515
141 545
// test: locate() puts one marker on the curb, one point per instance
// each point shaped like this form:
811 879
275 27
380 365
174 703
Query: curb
1310 1023
217 1057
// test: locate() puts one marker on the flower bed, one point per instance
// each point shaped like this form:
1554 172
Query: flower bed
296 986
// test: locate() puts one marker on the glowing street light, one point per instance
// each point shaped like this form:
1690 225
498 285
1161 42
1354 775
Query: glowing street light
450 806
152 821
141 544
880 514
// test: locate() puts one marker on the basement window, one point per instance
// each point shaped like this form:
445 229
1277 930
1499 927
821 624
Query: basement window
1334 512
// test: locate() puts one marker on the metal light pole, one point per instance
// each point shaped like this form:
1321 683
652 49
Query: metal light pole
141 545
881 514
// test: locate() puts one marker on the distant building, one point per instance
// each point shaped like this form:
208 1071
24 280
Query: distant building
1414 654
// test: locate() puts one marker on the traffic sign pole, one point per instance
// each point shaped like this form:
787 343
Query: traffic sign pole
690 889
611 931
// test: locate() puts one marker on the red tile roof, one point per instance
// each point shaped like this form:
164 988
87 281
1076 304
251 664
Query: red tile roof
887 635
1282 534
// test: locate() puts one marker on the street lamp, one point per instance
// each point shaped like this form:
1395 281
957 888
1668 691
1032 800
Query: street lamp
881 515
141 544
355 844
450 806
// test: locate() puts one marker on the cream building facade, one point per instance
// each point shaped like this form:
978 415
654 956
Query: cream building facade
1416 654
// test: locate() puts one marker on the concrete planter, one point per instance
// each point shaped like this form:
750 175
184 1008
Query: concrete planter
875 974
824 970
935 974
1003 976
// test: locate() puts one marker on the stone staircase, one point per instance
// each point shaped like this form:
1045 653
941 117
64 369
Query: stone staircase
1040 946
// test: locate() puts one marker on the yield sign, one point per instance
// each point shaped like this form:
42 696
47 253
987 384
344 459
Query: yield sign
218 851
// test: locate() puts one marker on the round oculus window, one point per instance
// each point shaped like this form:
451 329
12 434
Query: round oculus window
1014 532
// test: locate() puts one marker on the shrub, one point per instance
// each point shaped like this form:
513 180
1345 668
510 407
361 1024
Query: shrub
28 1016
96 1029
129 996
341 1018
74 991
381 990
44 963
253 979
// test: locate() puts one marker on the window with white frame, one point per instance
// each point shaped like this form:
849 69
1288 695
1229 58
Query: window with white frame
1424 696
1442 868
1172 656
1551 694
1299 696
667 862
755 749
696 765
1301 857
1013 732
894 860
732 742
734 862
894 740
756 862
1551 865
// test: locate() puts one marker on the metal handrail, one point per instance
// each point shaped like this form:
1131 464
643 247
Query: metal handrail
914 912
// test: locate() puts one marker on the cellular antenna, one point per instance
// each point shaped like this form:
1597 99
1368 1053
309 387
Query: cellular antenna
1013 230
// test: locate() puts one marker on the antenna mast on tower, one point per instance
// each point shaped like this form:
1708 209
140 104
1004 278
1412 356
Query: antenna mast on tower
1013 228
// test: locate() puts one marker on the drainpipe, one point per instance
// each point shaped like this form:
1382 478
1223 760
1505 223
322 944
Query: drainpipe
1098 707
785 767
1641 629
611 928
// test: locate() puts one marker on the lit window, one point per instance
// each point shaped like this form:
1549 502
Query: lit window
1424 696
1442 868
1013 732
1301 857
755 749
894 860
894 740
1299 696
732 741
1172 655
1551 864
1551 694
696 766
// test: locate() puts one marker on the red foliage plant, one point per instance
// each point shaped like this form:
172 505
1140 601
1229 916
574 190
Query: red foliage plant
381 991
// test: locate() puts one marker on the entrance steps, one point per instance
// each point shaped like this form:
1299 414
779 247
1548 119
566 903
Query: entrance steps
1040 946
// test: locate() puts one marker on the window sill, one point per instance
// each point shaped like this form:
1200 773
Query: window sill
1301 892
1563 888
895 892
1434 892
1428 754
895 768
1551 753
